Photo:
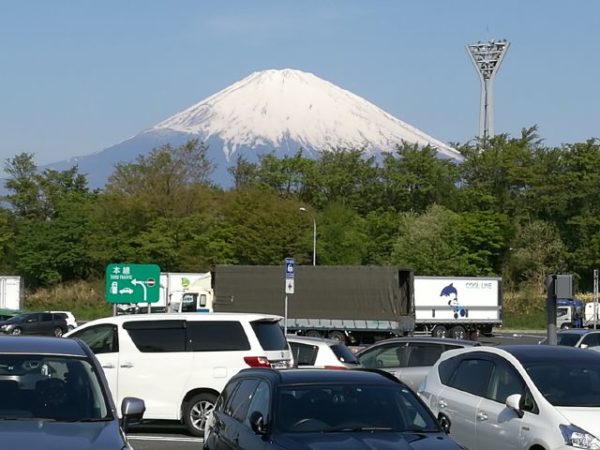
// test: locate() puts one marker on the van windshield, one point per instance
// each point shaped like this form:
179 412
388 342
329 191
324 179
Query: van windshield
270 335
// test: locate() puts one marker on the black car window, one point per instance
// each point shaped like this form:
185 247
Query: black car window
383 357
343 354
270 335
505 381
447 367
567 339
423 353
31 318
473 376
223 400
210 336
100 338
241 399
304 354
591 340
46 317
157 336
260 402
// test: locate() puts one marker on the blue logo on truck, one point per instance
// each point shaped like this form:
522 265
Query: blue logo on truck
449 292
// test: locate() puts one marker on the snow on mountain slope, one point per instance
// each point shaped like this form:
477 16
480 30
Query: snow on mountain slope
274 108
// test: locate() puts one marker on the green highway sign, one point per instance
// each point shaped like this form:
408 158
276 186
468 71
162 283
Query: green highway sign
132 283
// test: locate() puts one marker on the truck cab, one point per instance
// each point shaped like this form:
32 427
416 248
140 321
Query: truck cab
569 313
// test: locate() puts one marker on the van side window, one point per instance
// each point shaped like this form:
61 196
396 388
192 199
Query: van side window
211 336
157 336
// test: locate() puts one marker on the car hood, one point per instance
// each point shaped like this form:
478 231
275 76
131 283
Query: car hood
366 441
585 418
33 434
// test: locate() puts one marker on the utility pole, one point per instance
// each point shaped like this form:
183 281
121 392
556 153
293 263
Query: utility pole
486 57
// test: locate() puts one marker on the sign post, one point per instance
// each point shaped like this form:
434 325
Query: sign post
132 283
289 288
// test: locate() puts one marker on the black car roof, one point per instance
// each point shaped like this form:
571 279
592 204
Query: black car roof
318 376
41 345
528 354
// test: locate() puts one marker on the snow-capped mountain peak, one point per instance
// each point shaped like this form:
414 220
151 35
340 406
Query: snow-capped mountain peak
277 107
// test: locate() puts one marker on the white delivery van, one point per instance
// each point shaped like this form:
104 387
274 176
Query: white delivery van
179 363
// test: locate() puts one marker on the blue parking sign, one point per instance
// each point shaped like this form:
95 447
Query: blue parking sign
289 268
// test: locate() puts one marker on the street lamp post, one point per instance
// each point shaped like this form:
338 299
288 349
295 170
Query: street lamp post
314 235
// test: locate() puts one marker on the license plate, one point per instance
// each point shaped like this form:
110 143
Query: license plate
280 364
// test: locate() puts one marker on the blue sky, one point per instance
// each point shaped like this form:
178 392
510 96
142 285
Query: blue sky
79 76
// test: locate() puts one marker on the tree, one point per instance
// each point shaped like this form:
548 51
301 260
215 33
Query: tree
166 178
414 178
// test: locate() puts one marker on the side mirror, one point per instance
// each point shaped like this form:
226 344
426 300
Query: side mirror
445 423
257 423
583 346
132 411
514 402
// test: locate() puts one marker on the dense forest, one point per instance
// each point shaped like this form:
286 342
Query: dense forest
513 208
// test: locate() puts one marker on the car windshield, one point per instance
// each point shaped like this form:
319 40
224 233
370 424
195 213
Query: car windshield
351 408
568 339
50 387
568 382
17 319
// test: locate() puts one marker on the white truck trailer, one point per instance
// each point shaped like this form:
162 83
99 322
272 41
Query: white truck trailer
457 306
179 292
11 292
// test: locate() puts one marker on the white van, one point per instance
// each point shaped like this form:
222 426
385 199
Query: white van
179 363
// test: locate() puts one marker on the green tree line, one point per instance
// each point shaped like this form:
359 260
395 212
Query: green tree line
513 208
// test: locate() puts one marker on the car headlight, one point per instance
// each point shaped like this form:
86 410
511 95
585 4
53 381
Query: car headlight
578 438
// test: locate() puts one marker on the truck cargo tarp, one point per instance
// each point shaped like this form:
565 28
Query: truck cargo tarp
335 292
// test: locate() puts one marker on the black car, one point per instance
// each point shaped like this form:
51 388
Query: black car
43 323
53 395
321 409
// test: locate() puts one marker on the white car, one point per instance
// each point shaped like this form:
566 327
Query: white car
179 363
517 397
313 352
70 318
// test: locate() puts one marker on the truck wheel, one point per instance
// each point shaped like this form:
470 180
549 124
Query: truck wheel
458 332
337 336
196 411
565 326
439 331
313 333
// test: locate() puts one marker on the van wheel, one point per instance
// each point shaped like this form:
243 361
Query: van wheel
16 332
458 332
439 331
196 410
58 332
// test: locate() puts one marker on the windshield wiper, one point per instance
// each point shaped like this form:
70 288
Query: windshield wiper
357 429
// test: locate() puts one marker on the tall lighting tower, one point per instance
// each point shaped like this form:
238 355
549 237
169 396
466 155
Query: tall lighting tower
486 57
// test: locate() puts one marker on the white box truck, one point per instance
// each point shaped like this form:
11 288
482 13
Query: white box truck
11 292
457 306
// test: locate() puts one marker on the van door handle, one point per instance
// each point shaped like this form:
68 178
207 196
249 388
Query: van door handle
442 404
482 416
108 366
127 365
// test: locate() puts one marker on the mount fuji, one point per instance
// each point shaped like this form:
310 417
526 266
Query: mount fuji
276 111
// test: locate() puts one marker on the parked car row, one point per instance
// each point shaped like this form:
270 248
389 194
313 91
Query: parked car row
418 391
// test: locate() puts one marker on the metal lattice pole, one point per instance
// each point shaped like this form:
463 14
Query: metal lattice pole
486 57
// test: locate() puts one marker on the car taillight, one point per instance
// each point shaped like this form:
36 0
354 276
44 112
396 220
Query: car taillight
257 361
335 367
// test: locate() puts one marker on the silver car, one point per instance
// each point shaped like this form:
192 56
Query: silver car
313 352
577 337
409 358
